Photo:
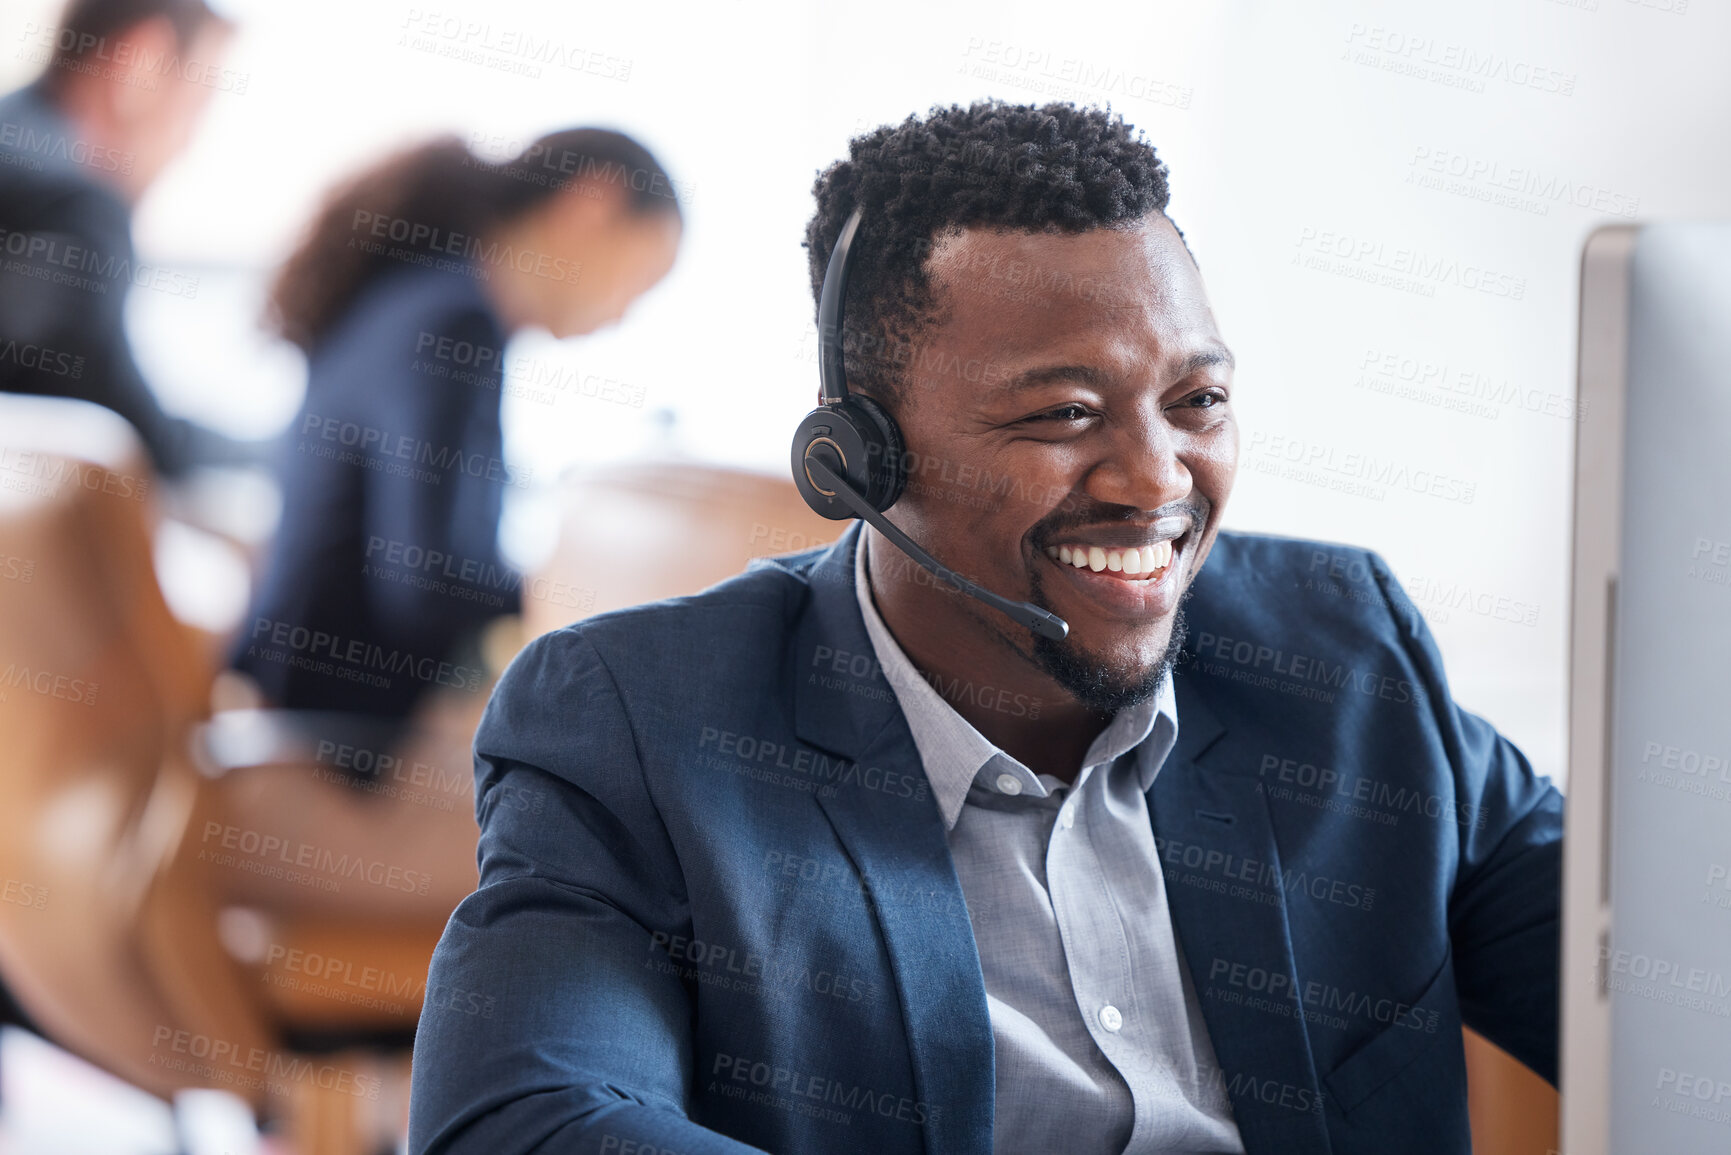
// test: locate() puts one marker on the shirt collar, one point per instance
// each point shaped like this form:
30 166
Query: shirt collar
955 753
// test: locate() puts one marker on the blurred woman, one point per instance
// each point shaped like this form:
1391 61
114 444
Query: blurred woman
402 295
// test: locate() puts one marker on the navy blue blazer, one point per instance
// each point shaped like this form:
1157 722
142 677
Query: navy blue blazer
717 910
393 485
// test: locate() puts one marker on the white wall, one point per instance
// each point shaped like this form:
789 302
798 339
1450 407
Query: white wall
1297 135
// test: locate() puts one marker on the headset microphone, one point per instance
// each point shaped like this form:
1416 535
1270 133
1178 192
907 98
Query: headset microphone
848 459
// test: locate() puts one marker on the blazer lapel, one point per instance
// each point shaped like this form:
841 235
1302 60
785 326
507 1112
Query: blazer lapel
890 826
1238 949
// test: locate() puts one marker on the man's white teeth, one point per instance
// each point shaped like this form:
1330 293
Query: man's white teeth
1149 559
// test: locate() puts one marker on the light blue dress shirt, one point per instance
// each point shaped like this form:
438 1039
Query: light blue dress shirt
1098 1037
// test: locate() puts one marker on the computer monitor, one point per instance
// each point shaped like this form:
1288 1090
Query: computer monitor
1646 1043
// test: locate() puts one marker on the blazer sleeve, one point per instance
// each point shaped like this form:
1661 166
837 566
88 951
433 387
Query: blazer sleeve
547 1025
1505 906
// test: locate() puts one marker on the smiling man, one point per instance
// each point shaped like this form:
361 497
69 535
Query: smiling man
831 858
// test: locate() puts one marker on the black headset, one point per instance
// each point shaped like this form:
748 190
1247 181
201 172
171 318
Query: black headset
848 456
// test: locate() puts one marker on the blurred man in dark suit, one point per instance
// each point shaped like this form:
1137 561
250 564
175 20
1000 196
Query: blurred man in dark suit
123 85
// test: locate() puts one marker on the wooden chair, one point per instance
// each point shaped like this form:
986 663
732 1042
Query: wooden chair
116 954
114 935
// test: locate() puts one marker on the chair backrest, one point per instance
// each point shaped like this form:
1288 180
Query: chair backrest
637 532
98 687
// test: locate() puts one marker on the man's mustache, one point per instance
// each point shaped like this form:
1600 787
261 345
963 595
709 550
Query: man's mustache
1085 514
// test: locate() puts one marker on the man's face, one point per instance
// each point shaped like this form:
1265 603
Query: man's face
156 109
1072 400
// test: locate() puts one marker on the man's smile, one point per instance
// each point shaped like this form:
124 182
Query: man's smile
1124 570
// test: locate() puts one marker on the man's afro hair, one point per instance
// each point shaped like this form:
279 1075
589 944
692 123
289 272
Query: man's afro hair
1048 168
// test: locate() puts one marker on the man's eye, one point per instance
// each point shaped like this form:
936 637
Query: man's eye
1062 413
1208 399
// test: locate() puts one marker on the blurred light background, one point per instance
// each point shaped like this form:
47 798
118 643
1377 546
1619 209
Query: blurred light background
1464 150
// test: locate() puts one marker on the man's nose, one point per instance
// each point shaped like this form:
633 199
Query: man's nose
1141 467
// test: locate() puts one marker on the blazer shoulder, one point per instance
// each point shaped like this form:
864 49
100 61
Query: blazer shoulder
1332 596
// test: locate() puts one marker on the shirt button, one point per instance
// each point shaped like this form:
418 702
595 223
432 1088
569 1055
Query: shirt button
1067 819
1110 1018
1009 784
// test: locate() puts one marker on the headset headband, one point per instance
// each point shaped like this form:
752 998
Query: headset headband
831 312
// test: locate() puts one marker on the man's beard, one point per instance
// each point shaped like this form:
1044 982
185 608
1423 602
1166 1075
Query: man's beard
1102 686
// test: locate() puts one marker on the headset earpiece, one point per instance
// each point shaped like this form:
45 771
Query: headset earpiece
860 441
858 438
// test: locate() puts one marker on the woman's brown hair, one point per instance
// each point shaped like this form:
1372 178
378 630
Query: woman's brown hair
435 201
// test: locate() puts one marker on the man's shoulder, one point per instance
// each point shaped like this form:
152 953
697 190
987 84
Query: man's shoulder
1264 588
